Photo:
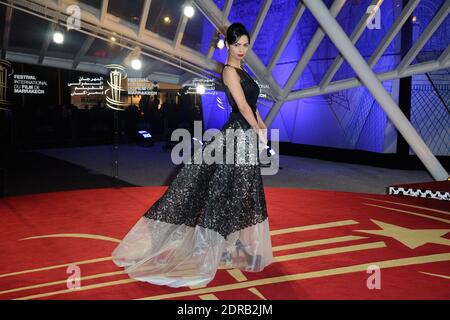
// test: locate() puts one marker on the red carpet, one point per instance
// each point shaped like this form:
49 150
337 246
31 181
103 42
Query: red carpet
319 252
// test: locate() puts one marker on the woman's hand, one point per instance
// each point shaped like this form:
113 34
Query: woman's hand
262 134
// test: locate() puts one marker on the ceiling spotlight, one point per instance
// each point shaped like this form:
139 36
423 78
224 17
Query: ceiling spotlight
189 11
167 20
58 37
220 44
136 64
200 89
113 39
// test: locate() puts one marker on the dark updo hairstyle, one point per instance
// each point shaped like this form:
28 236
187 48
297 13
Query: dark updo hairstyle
235 31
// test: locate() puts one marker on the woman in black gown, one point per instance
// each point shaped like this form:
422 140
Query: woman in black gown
212 215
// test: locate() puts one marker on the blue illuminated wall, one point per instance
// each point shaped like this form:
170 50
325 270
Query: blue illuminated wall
350 119
430 94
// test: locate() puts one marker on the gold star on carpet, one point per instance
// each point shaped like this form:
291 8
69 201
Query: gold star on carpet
411 238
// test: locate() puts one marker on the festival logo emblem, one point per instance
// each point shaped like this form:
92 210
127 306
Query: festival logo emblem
113 93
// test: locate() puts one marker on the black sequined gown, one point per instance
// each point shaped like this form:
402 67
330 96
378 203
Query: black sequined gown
211 216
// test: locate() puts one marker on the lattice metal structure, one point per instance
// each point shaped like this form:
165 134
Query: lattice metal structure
432 119
98 23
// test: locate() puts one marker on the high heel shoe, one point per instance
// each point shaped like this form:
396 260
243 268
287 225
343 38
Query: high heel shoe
252 261
226 258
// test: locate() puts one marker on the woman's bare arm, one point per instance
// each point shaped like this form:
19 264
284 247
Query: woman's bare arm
261 123
263 128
